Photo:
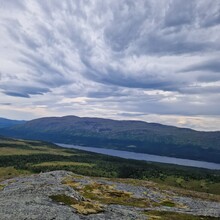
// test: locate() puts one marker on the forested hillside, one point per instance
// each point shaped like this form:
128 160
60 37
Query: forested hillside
137 136
4 122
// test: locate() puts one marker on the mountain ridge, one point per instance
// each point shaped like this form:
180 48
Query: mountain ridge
121 120
144 137
5 122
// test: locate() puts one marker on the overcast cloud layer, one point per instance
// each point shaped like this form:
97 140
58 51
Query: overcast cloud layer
149 60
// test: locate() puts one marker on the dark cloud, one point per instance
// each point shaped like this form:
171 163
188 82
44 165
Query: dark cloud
44 72
172 29
213 21
210 17
147 80
6 103
127 21
105 94
127 114
179 13
210 65
16 94
162 44
23 91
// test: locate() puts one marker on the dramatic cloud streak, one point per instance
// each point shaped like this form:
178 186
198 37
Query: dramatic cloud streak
151 60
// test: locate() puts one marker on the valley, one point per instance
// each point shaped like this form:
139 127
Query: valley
26 156
134 136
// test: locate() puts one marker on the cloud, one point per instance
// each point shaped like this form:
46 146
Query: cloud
16 94
179 14
6 103
23 91
210 65
125 58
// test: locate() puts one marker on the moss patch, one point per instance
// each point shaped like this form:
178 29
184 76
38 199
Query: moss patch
82 207
155 215
107 194
2 186
88 207
167 203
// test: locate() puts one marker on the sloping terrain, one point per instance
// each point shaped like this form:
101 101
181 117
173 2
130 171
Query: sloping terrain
65 195
26 156
19 157
4 122
134 136
110 187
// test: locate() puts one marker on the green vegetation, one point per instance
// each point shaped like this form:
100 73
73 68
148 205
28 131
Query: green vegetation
20 157
39 156
157 215
8 172
164 186
134 136
62 163
202 185
168 203
106 194
2 187
9 147
82 207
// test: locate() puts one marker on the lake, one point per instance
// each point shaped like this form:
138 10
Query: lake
146 157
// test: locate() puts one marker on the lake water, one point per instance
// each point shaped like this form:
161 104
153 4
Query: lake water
146 157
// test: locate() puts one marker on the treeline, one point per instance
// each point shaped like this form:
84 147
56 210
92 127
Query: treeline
160 146
108 166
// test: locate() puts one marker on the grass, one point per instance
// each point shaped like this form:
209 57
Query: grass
63 163
22 147
168 203
163 215
212 195
9 172
191 184
5 151
160 185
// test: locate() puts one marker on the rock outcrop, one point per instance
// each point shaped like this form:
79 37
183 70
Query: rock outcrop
62 195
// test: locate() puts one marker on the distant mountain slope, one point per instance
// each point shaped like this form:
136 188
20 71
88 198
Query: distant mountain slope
4 122
137 136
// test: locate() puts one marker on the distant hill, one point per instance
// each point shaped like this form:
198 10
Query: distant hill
136 136
4 122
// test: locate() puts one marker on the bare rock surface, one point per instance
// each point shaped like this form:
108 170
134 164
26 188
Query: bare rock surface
27 198
30 198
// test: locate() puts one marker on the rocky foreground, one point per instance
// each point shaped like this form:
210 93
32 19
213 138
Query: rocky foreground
62 195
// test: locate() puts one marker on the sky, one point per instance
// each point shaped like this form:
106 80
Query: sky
151 60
